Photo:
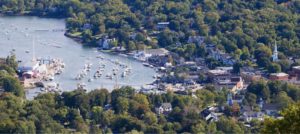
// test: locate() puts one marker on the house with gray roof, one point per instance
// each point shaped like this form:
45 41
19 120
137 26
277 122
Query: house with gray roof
164 108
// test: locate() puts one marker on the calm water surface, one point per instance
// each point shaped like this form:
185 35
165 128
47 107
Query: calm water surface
19 33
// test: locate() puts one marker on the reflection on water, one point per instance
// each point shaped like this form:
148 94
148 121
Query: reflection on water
19 33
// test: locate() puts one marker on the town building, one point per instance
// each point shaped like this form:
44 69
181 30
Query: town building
296 71
279 76
162 25
198 40
158 56
221 56
105 43
164 108
271 109
210 114
250 76
86 26
222 78
218 74
157 52
28 70
248 116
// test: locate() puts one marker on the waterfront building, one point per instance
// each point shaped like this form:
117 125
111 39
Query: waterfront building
105 43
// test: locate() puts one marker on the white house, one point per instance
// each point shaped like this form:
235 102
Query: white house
144 55
87 26
251 115
141 55
220 56
209 116
105 43
165 108
271 109
162 25
196 39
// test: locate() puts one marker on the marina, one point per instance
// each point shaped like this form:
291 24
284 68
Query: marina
72 65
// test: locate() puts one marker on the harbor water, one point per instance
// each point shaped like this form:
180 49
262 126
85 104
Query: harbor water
47 35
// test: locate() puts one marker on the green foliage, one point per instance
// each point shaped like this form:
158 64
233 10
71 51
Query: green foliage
274 68
289 123
273 91
229 126
260 89
11 84
243 28
82 112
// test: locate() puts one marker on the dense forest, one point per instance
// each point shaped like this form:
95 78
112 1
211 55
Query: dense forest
245 29
122 110
125 111
240 27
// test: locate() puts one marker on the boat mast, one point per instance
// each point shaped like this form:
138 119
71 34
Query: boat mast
33 50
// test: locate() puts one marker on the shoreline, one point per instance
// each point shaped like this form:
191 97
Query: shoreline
30 14
79 40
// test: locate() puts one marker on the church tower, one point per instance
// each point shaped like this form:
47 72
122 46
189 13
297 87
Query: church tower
229 99
275 53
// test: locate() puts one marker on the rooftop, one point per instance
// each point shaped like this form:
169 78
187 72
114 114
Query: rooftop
163 23
296 67
166 105
160 51
225 68
279 74
218 72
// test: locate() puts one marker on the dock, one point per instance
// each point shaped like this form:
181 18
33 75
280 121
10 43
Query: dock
43 71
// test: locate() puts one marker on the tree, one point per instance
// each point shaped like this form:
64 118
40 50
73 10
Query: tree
122 35
211 18
130 46
228 125
150 118
99 97
174 25
97 114
125 123
198 128
140 37
284 65
237 67
165 38
263 54
87 36
122 105
283 99
12 85
245 54
12 62
274 68
142 99
289 123
77 122
260 89
251 99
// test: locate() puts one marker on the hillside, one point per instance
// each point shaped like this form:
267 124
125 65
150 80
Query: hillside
236 26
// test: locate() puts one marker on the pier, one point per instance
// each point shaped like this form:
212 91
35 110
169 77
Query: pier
43 71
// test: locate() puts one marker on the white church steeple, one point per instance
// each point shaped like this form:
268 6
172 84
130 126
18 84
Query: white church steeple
275 53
